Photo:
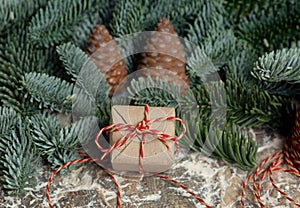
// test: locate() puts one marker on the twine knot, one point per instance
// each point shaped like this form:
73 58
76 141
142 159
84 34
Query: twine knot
142 126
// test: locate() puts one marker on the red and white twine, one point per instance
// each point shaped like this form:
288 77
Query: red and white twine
142 128
289 156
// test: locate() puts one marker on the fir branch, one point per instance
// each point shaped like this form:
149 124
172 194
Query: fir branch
279 66
231 143
74 59
61 157
19 54
240 66
19 159
9 95
133 16
155 92
128 17
55 24
199 65
205 22
18 51
49 91
92 101
17 58
8 119
81 32
217 42
251 106
69 139
56 143
45 129
235 146
185 12
69 136
85 73
202 97
103 113
274 26
246 105
11 70
220 46
237 9
16 11
68 142
278 72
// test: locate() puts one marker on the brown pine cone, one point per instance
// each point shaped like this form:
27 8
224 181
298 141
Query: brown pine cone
104 51
292 147
168 53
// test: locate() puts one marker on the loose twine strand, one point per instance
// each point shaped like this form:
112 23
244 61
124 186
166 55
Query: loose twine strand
142 128
290 156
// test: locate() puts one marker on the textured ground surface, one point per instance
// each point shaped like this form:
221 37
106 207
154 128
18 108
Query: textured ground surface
220 185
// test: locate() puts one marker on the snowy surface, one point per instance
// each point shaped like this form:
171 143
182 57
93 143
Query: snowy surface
218 184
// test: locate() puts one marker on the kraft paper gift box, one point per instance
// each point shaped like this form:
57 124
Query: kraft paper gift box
157 158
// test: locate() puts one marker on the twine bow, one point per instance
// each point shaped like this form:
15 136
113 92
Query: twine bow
143 129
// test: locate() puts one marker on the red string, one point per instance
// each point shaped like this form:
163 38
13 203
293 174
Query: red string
184 188
290 156
142 128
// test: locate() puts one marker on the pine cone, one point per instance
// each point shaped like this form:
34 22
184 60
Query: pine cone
168 52
292 147
104 55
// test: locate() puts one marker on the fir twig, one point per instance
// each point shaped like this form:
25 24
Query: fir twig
49 92
279 72
19 159
55 24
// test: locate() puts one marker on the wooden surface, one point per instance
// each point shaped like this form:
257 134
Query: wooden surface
218 184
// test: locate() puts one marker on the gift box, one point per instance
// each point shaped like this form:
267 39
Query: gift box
157 158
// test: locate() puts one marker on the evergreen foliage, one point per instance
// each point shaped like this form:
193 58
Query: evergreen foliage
8 120
18 156
73 58
252 45
239 67
135 16
265 27
238 9
232 143
154 92
51 92
58 144
82 69
54 25
279 71
12 12
210 34
17 58
199 65
268 111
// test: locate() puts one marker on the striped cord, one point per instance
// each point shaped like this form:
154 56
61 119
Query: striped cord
290 156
